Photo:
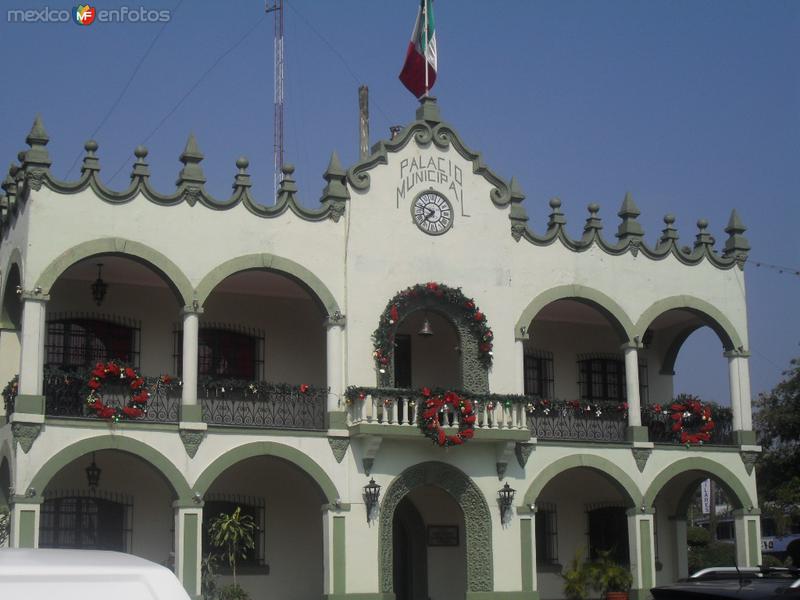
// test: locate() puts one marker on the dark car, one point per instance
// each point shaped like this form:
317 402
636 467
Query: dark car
731 583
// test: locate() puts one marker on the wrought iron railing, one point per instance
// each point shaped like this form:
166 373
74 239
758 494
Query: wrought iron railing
659 423
233 403
601 423
264 405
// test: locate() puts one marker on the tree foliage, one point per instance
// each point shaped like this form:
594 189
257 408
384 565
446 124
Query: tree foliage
234 534
778 426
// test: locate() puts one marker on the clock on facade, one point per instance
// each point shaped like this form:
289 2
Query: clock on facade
432 213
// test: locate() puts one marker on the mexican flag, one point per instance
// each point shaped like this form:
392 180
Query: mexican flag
421 53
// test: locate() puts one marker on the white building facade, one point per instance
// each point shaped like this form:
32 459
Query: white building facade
280 349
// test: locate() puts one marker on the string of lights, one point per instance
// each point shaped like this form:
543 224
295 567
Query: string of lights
780 269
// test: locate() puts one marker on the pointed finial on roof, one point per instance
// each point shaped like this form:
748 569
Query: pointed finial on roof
517 214
335 193
736 245
192 172
630 229
37 158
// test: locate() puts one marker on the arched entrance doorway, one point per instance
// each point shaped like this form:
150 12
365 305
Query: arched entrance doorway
441 501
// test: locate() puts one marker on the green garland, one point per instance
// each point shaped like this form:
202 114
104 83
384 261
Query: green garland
10 394
398 307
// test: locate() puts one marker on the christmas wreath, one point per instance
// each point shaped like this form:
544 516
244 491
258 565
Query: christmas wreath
434 407
137 405
691 420
399 306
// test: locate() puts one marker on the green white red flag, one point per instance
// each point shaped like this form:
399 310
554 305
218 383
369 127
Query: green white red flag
419 70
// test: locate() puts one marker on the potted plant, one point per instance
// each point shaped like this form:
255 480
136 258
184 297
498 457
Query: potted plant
576 578
610 578
233 533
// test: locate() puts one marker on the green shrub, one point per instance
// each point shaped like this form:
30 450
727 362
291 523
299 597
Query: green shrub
698 536
715 554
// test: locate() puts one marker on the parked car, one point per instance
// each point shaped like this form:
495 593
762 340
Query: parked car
732 583
43 574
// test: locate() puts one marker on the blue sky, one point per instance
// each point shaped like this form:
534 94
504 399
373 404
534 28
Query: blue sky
693 107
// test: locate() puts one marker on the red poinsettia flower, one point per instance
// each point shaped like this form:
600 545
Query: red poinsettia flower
107 412
657 407
394 313
442 437
426 392
433 286
113 369
384 360
94 384
455 440
99 371
677 427
141 397
467 434
485 347
303 388
132 412
469 304
137 383
166 378
488 335
130 373
479 316
470 419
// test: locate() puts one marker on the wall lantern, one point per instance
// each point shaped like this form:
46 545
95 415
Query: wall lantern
99 287
93 474
506 496
372 492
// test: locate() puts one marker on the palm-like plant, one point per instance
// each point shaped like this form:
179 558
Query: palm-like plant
233 533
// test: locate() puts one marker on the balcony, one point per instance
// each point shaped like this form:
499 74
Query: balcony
232 403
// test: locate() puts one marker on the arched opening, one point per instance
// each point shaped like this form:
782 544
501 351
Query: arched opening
5 499
685 348
10 325
432 494
129 509
430 558
695 518
125 311
573 359
433 359
284 501
580 512
264 329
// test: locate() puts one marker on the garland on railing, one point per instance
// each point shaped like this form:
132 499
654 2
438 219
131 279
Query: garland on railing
397 308
220 387
429 420
10 394
693 421
532 404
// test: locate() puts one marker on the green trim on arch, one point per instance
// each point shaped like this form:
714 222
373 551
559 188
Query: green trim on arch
708 313
616 475
292 455
6 319
271 263
174 277
111 442
618 318
737 493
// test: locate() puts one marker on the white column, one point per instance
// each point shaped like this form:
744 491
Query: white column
632 385
747 526
31 360
681 547
188 548
519 357
739 380
334 366
191 329
642 549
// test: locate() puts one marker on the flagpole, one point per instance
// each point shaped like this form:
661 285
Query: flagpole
425 52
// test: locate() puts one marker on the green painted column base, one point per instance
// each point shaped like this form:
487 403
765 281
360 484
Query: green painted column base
29 404
744 438
502 595
639 594
337 420
637 433
191 413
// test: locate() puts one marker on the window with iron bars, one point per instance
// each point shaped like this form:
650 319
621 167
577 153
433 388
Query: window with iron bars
539 373
77 342
216 504
607 530
225 351
546 533
88 520
602 378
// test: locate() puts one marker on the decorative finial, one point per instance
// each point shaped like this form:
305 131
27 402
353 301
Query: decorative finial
335 193
517 214
90 161
669 235
630 230
36 160
287 187
37 135
557 218
140 167
242 179
703 238
736 245
192 172
593 222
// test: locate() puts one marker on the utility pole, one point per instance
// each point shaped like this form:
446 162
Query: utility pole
276 9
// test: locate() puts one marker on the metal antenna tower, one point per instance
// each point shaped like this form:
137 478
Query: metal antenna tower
276 8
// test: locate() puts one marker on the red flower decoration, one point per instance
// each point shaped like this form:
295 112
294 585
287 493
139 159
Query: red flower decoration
394 314
479 316
136 406
469 304
94 384
303 388
435 407
426 392
690 413
433 286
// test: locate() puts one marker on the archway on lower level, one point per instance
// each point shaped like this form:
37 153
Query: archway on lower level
439 491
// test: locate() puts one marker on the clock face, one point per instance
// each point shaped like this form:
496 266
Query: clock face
432 213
